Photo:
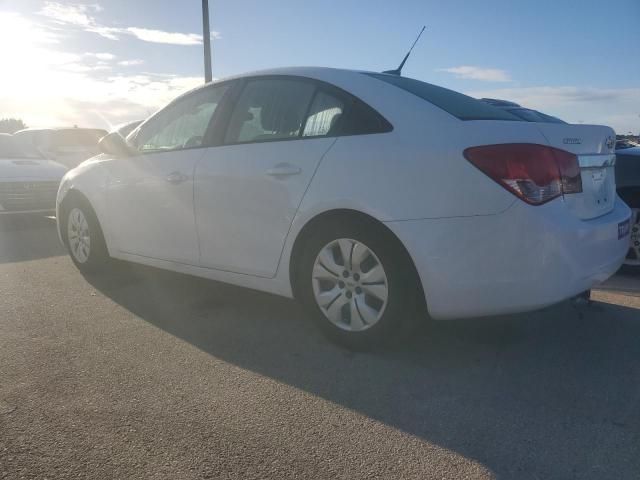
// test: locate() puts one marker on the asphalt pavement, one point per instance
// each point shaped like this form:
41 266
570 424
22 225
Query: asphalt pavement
140 373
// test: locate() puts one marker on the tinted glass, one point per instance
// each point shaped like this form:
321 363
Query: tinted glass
457 104
183 124
533 116
363 120
270 109
325 112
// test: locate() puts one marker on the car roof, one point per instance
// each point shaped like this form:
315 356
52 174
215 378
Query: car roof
317 73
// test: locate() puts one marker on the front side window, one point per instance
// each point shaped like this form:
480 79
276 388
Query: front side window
182 125
269 109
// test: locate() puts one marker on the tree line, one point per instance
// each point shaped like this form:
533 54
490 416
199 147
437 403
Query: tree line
11 125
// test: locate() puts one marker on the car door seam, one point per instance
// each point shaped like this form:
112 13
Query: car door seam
286 237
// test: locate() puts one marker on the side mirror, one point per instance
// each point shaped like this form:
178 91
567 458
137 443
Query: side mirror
114 144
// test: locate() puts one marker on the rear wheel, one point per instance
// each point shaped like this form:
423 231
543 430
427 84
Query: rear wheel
358 283
83 236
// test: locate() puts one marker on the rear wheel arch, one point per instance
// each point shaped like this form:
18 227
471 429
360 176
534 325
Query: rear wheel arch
327 218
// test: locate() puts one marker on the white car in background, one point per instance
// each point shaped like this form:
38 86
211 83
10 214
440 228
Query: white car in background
365 195
28 182
68 146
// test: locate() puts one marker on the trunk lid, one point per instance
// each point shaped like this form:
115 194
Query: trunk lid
594 146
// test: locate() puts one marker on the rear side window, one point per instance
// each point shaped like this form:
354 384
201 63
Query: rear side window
326 110
457 104
289 108
363 120
271 109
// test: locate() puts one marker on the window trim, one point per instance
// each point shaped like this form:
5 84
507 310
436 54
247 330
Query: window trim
348 99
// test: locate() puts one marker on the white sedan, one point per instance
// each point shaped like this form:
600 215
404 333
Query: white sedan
364 195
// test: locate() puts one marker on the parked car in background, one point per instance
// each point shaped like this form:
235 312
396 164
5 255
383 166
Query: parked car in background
623 143
628 183
68 146
526 114
365 195
28 181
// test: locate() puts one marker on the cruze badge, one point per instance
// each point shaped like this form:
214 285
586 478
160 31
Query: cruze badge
572 141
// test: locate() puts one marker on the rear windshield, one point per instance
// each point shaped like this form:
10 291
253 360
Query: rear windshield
534 116
457 104
10 147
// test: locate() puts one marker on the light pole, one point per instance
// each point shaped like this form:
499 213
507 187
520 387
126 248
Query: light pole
206 40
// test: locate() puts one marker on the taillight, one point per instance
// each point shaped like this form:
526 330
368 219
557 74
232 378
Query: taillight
534 173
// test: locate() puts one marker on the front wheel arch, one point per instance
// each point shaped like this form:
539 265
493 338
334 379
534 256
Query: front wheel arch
74 196
99 256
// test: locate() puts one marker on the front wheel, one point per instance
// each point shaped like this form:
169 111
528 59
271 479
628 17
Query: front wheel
358 283
83 237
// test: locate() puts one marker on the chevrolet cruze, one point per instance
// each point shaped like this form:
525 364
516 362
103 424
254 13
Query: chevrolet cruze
364 195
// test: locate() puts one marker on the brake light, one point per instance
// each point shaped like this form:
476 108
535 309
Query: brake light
533 173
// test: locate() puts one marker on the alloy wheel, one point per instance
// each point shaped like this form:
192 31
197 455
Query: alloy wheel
350 284
78 235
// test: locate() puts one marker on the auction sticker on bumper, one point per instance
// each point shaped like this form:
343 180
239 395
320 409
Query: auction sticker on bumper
623 229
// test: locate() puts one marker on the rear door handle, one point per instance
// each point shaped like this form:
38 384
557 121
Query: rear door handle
284 170
176 177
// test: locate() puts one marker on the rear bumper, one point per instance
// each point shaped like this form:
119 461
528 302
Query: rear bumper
523 259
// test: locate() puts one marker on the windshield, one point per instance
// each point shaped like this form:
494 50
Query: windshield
11 148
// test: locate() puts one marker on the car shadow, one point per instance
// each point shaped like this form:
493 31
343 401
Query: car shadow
551 394
624 283
28 237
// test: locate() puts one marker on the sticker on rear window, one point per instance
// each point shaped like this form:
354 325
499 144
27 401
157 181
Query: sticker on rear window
623 229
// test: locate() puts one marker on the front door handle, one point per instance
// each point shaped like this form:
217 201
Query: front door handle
283 170
175 178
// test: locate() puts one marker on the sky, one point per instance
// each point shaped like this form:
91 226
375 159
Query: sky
104 62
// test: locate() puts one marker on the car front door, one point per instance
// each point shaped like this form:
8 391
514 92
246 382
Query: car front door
248 189
150 194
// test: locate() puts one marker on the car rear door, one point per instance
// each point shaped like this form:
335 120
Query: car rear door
248 188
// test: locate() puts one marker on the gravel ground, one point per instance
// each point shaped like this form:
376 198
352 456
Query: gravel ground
143 374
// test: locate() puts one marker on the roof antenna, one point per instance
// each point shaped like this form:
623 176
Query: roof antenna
398 71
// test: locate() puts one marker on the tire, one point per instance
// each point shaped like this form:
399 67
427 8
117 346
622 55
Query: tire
631 264
83 236
367 300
